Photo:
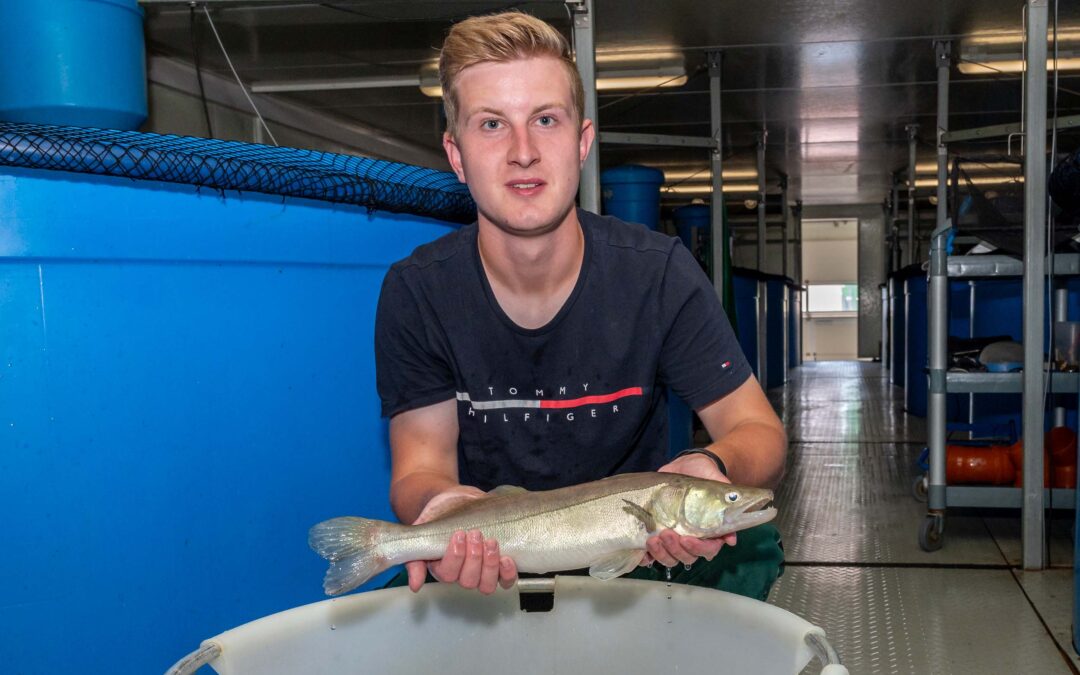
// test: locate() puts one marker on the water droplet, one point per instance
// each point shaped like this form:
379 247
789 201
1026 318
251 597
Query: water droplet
667 573
687 566
333 627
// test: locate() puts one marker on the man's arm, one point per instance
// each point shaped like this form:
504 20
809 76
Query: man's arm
750 439
424 483
747 435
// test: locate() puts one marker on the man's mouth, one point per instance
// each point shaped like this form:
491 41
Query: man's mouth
526 186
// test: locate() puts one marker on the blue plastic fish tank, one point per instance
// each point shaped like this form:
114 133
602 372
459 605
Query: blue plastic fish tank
186 381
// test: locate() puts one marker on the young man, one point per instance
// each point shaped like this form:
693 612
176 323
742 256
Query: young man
534 347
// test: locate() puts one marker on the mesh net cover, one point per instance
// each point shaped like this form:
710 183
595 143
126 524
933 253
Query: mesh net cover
231 165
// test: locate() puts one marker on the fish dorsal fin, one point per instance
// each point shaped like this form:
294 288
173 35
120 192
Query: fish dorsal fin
616 564
641 514
505 490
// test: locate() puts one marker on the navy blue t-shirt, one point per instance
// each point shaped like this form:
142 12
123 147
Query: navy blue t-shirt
578 399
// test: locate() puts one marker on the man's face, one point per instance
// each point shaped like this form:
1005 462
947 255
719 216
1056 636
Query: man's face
518 143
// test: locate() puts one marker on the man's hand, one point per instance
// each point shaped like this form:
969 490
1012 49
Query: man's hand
670 548
469 560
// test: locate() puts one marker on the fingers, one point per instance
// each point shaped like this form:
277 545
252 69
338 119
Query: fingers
417 570
669 549
507 572
471 562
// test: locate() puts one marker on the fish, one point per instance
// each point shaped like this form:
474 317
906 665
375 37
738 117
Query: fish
601 525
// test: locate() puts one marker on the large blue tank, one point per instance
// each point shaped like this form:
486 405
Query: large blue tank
632 193
75 62
693 223
186 386
794 325
746 311
776 368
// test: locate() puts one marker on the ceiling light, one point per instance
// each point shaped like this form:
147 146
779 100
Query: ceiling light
981 64
975 180
706 188
614 72
706 174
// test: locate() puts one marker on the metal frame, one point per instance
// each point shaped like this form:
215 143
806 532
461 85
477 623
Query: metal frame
1032 497
585 57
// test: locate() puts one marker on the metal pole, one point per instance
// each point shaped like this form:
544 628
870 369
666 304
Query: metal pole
785 210
762 303
786 215
894 229
938 295
719 241
1061 313
589 188
798 281
1032 527
913 131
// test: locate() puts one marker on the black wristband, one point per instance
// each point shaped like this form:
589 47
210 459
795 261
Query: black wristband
708 453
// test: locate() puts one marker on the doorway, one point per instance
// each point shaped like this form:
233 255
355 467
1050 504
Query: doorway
830 270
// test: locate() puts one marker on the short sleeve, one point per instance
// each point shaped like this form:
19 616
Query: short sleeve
700 359
411 368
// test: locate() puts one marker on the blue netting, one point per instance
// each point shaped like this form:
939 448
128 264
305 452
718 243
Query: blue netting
230 165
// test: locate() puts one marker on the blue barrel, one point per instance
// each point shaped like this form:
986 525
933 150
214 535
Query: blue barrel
693 223
632 193
187 387
775 322
746 298
74 62
915 393
899 330
794 325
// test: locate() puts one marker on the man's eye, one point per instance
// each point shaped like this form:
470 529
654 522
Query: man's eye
491 124
546 120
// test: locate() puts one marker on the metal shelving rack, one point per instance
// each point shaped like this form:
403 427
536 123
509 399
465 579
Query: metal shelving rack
1032 498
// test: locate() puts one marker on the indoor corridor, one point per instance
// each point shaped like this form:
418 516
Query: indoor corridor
854 566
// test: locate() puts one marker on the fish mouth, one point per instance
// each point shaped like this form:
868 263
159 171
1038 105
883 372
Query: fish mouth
754 512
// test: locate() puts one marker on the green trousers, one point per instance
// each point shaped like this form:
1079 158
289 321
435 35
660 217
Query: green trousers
749 568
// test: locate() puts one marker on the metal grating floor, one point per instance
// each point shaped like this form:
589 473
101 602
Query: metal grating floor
850 526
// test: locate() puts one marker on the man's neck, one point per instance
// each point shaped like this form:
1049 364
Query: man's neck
532 277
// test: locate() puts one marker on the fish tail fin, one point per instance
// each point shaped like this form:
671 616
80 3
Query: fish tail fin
352 547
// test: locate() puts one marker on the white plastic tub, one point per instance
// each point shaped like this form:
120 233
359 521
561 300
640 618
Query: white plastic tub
621 626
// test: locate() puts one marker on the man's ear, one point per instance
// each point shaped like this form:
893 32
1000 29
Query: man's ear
453 154
588 135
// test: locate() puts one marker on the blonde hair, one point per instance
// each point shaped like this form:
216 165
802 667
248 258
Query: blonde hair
501 38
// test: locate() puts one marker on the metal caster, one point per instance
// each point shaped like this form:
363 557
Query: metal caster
932 533
919 488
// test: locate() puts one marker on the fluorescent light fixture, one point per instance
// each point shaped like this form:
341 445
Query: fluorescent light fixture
336 84
706 189
706 174
614 71
969 166
981 64
998 38
975 180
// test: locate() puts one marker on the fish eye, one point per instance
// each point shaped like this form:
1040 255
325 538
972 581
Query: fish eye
732 497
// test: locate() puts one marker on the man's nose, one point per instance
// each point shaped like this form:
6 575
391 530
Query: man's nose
523 150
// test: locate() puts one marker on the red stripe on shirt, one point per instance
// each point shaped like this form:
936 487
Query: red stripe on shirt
593 400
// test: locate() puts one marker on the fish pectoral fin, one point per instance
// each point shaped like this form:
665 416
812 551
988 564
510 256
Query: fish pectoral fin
616 564
641 514
504 490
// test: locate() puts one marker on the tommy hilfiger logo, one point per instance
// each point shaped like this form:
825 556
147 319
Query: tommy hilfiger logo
593 402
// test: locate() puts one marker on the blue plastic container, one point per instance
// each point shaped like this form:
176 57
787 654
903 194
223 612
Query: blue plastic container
187 386
746 298
693 223
794 329
632 193
899 331
74 62
915 393
776 366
